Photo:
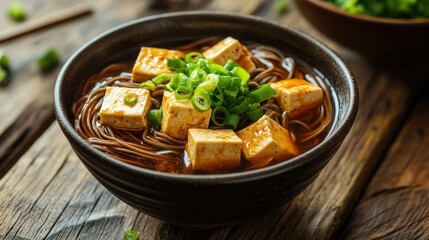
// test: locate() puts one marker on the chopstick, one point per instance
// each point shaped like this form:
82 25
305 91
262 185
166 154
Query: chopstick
44 22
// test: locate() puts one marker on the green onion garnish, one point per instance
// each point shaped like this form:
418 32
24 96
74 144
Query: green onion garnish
193 57
175 64
233 121
131 235
262 93
201 101
242 74
3 77
154 117
130 99
4 61
209 84
230 95
183 92
48 60
161 79
17 11
255 115
224 115
197 77
149 85
216 68
235 83
231 64
224 82
241 107
281 6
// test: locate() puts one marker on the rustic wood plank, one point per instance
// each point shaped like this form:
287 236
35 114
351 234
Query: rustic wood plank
396 204
30 93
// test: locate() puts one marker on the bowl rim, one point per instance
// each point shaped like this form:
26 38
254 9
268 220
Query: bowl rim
329 142
367 18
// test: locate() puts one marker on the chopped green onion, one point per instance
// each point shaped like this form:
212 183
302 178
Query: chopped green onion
231 64
191 67
255 115
262 93
233 121
209 84
216 68
235 83
242 74
17 11
197 77
183 80
154 117
175 64
230 95
149 85
224 116
201 101
203 64
281 6
183 92
130 99
241 107
244 89
224 82
162 78
3 77
254 106
193 57
48 60
217 97
4 61
131 235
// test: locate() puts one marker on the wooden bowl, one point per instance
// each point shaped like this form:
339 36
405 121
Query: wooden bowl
205 200
380 39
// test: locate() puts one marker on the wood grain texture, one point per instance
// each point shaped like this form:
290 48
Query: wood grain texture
396 203
48 194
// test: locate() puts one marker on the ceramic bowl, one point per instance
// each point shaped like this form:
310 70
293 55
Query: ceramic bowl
379 39
205 200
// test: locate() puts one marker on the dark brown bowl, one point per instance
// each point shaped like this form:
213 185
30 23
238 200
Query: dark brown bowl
205 200
380 39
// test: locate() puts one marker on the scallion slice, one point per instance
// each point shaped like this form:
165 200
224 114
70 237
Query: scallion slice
162 78
216 68
48 60
262 93
183 92
17 11
230 64
201 101
175 64
131 235
154 117
242 74
130 99
224 82
4 61
197 77
233 121
219 116
241 107
149 85
255 115
193 57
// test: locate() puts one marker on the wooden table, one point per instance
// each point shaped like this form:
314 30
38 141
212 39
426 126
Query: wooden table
377 186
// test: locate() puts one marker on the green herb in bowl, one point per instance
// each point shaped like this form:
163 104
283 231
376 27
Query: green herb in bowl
404 9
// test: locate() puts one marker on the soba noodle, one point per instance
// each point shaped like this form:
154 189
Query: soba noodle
150 148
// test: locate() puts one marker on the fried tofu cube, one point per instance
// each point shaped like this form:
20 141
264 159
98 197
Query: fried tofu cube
265 141
228 48
247 63
297 96
116 113
179 115
152 62
209 149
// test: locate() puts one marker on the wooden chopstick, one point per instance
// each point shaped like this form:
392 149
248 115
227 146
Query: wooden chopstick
46 21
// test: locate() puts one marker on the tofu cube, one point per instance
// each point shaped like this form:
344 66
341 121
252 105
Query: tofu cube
152 62
179 116
266 141
246 63
297 96
114 112
209 149
228 48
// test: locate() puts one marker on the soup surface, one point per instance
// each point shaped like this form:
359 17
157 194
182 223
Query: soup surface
211 106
